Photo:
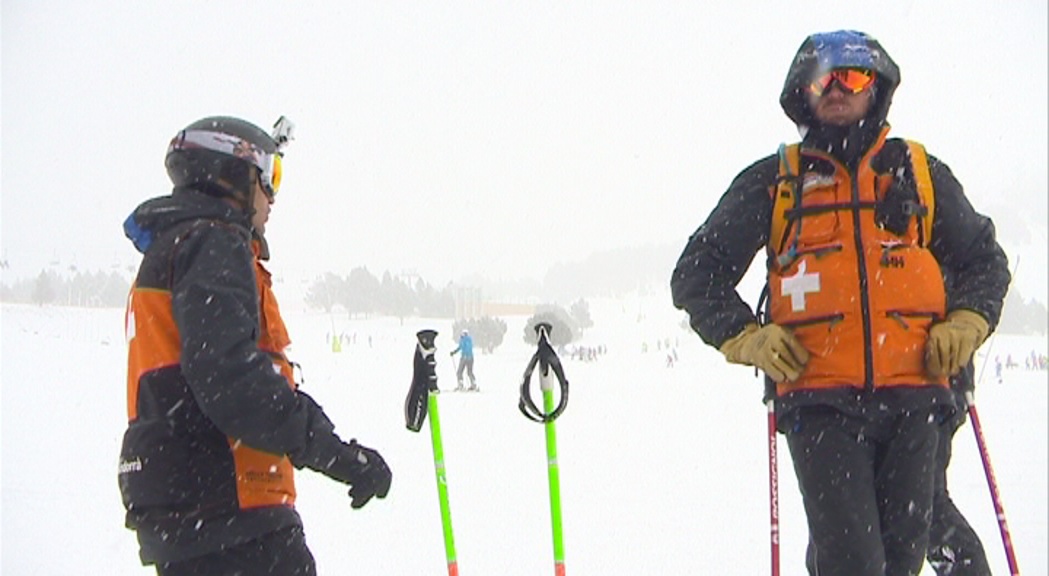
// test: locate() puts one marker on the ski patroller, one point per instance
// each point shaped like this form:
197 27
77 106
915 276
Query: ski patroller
549 369
422 399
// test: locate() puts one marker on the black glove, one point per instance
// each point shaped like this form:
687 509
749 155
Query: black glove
367 475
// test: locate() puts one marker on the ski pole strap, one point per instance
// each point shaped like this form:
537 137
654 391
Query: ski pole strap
547 360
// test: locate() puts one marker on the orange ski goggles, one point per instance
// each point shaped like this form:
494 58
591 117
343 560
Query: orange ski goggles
851 80
270 174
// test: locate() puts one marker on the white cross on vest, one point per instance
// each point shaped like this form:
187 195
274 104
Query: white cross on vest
798 285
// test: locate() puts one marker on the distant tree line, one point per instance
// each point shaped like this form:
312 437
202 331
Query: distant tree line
86 289
566 326
487 332
1022 316
362 294
611 273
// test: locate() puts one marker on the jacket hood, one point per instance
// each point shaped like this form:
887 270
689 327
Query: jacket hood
156 215
823 52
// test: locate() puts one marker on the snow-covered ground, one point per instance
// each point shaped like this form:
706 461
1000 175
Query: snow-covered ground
663 469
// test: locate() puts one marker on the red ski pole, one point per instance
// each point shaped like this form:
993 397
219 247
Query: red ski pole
999 510
773 489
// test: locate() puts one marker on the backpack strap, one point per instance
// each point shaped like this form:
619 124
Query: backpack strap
923 182
785 195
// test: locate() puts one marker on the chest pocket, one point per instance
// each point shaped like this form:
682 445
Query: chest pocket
818 215
803 219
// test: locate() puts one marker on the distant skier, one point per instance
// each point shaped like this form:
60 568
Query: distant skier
466 362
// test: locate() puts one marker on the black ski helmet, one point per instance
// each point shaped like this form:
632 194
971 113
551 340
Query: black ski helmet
823 52
215 155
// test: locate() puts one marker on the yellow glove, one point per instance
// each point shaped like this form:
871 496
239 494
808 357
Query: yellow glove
952 342
771 348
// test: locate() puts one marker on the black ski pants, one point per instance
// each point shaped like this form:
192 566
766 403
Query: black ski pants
283 552
954 547
867 488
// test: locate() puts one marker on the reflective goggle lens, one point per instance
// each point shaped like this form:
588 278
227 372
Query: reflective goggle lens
276 175
851 80
271 176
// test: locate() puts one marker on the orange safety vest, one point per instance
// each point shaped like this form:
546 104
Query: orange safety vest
859 298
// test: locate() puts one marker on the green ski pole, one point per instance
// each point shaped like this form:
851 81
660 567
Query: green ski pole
549 369
422 398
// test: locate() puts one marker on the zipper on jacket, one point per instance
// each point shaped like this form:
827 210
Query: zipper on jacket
819 251
830 319
901 316
788 258
865 304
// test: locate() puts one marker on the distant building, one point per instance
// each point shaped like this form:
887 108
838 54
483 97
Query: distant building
467 302
470 304
506 309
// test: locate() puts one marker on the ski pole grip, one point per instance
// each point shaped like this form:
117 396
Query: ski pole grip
426 338
424 380
546 359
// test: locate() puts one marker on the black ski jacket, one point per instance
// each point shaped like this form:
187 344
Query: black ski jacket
199 389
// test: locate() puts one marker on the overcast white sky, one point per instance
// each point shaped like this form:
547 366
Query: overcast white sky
494 137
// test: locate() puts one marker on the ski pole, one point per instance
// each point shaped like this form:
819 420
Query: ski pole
549 368
773 488
762 313
422 398
992 484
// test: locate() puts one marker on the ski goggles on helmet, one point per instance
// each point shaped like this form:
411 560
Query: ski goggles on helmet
269 164
851 80
272 174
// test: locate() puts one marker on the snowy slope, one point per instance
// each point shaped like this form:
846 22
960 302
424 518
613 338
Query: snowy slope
663 470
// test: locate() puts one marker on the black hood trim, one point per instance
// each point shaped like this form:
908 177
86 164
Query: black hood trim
814 57
156 215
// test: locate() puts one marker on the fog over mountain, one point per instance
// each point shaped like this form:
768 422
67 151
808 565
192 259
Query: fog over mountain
529 149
